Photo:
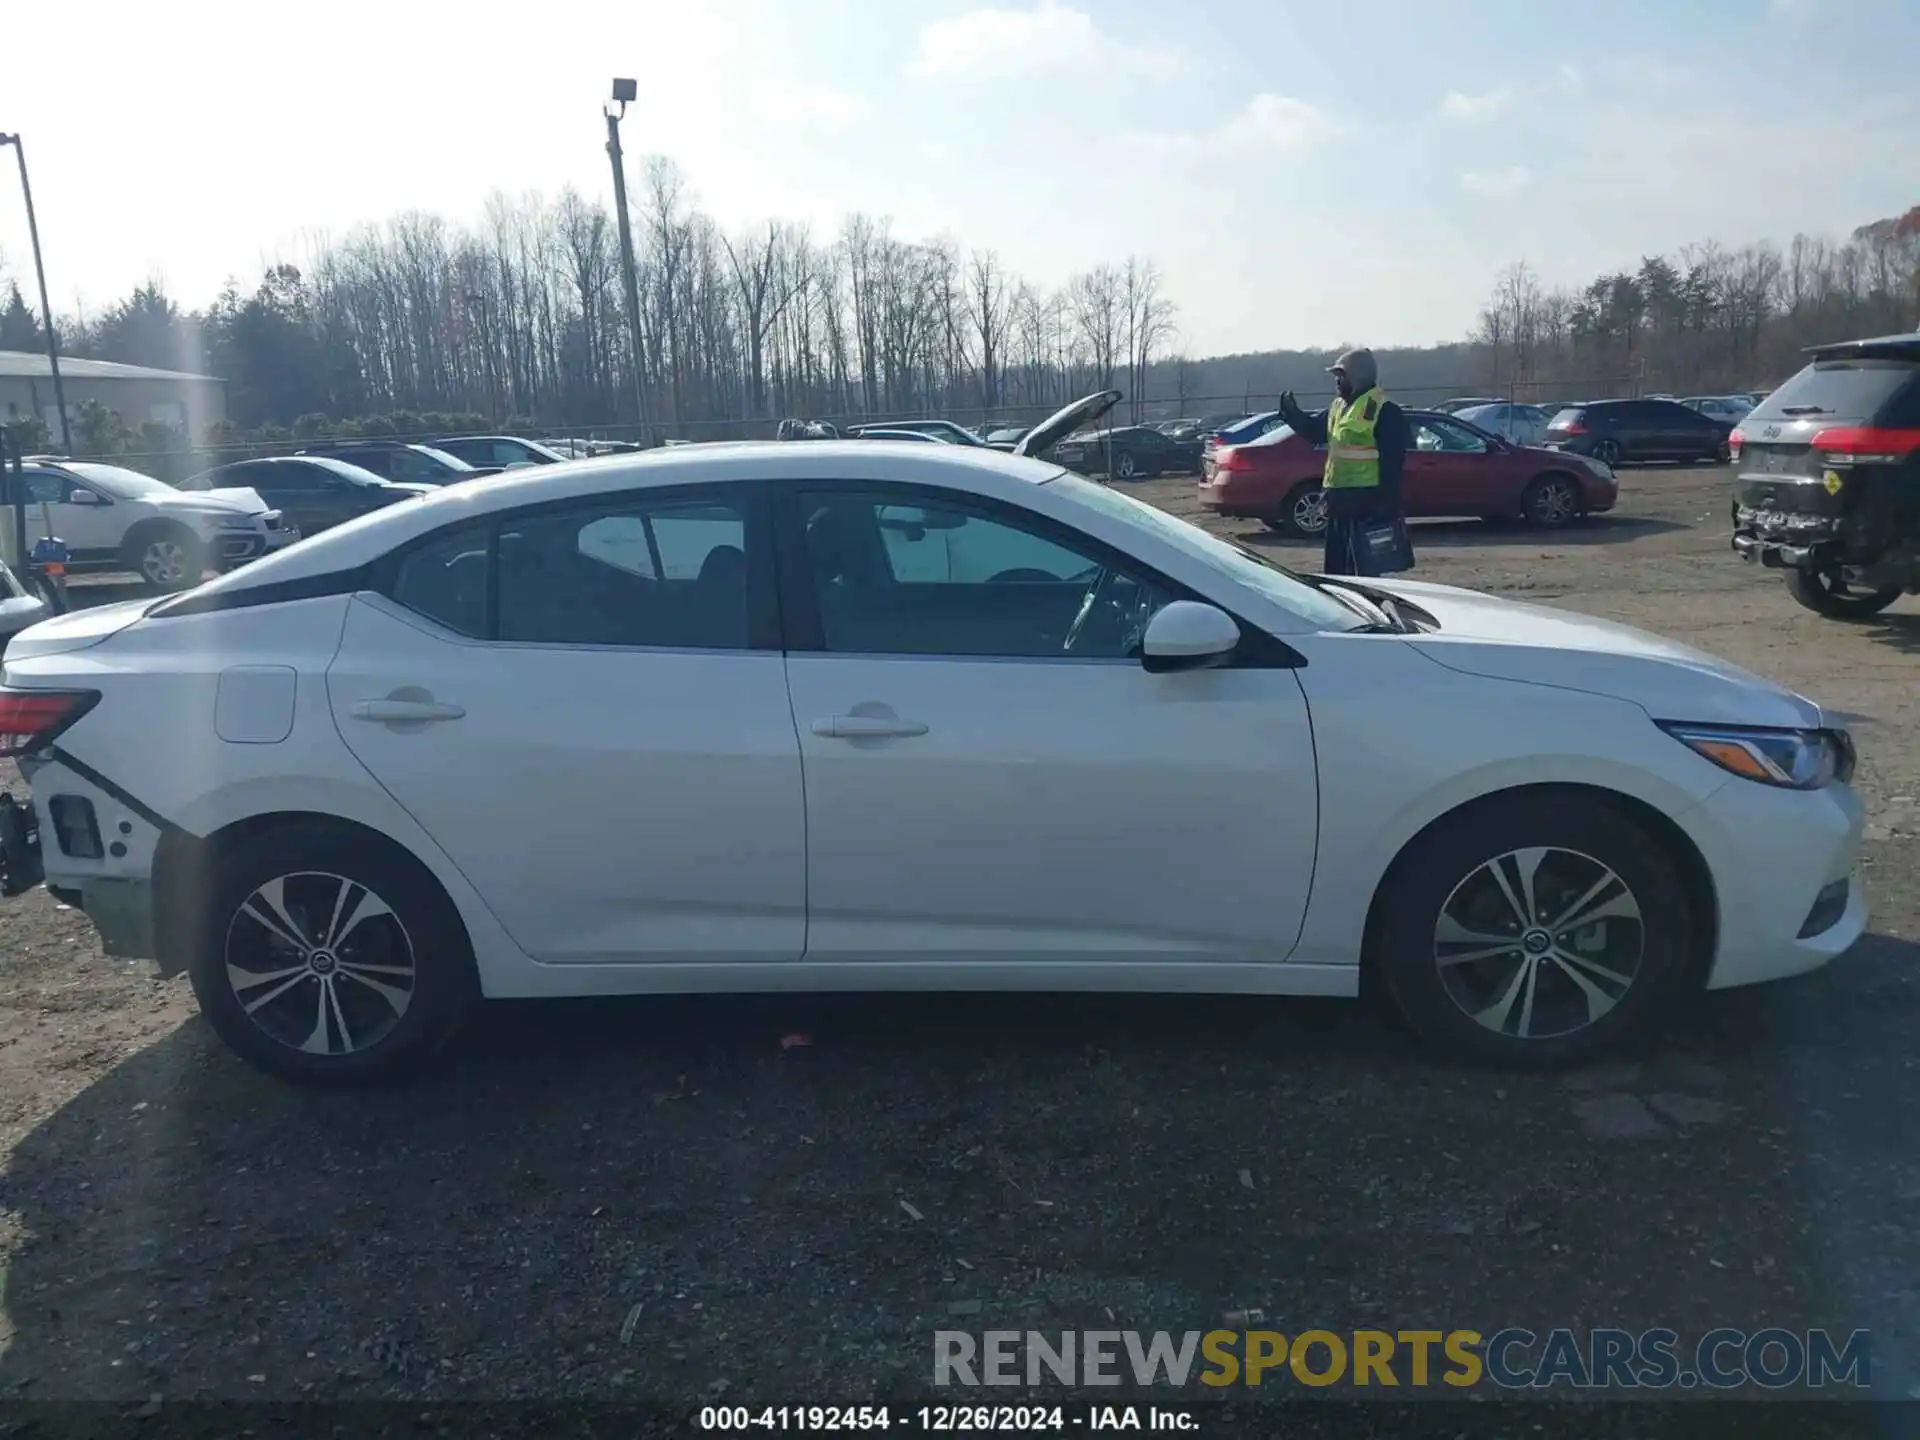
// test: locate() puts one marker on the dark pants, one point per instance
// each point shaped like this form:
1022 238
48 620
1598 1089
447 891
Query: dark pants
1350 514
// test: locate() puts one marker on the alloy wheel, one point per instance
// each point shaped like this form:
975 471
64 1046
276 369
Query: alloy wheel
164 562
1607 452
1555 502
1309 511
320 963
1539 943
1124 466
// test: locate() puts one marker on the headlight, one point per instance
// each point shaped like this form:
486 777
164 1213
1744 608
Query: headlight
1791 759
216 521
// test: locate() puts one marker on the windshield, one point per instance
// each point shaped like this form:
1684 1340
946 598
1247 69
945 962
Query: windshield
452 462
1236 562
121 483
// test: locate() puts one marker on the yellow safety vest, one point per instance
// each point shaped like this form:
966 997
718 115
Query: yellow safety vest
1353 459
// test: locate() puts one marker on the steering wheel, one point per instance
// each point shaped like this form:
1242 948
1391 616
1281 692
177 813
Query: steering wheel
1101 575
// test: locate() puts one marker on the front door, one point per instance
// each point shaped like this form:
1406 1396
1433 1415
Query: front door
608 755
1451 463
91 524
991 775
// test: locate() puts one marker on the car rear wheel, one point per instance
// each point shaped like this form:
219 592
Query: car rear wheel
1607 452
1125 467
1303 512
1552 501
1535 928
1829 595
327 957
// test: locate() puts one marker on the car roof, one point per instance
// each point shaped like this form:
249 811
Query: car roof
360 541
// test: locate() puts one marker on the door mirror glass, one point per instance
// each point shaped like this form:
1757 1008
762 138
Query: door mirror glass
85 497
1188 635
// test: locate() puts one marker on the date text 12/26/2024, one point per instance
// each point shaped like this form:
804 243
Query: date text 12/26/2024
947 1419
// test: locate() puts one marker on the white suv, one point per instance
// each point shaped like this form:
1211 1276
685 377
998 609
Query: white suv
112 518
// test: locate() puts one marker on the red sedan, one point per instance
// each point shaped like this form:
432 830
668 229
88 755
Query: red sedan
1453 468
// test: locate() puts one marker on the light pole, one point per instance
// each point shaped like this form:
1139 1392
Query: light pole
623 92
46 310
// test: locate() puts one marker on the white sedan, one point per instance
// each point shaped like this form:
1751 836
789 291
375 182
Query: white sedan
857 715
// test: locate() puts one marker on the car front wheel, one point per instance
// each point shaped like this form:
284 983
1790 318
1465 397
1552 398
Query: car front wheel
1552 501
328 957
1533 929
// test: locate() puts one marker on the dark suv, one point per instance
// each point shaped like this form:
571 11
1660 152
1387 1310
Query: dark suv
1828 478
1614 431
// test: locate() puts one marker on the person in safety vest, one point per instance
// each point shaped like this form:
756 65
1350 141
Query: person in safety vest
1366 438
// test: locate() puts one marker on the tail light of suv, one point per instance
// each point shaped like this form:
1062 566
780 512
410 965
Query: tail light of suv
1734 442
1866 444
33 719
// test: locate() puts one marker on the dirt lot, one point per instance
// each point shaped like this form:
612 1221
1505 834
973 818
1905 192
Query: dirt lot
657 1202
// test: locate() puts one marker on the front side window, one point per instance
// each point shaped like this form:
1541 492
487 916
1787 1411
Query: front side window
1442 435
946 578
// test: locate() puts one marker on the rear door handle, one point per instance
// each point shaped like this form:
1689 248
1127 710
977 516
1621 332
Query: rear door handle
392 712
867 727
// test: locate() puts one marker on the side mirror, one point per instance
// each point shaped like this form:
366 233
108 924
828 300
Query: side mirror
85 497
1187 635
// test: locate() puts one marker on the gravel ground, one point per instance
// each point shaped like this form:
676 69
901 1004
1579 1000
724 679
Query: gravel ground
657 1202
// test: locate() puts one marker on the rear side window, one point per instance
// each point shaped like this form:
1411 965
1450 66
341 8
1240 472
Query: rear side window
1858 390
446 581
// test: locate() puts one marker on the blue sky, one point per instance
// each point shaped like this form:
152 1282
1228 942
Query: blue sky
1303 175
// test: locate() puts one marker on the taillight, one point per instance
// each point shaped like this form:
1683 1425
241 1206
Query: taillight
1572 427
1867 444
1231 458
1734 442
32 719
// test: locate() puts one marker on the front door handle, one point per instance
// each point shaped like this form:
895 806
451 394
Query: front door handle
401 712
867 727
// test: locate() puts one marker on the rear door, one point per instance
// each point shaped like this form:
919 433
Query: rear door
586 706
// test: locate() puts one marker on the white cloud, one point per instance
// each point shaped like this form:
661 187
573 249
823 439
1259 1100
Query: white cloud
1269 122
1472 109
1496 184
1052 35
815 106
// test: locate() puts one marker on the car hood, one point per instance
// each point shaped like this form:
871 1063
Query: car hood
1537 645
241 498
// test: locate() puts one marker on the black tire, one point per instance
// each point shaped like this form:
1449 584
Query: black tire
1553 500
1125 467
1829 596
1303 512
1607 452
1447 868
419 931
166 556
1722 454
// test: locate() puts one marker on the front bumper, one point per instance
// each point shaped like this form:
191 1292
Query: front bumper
1777 858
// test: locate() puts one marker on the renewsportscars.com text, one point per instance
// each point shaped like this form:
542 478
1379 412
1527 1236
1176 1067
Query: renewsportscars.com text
1510 1358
